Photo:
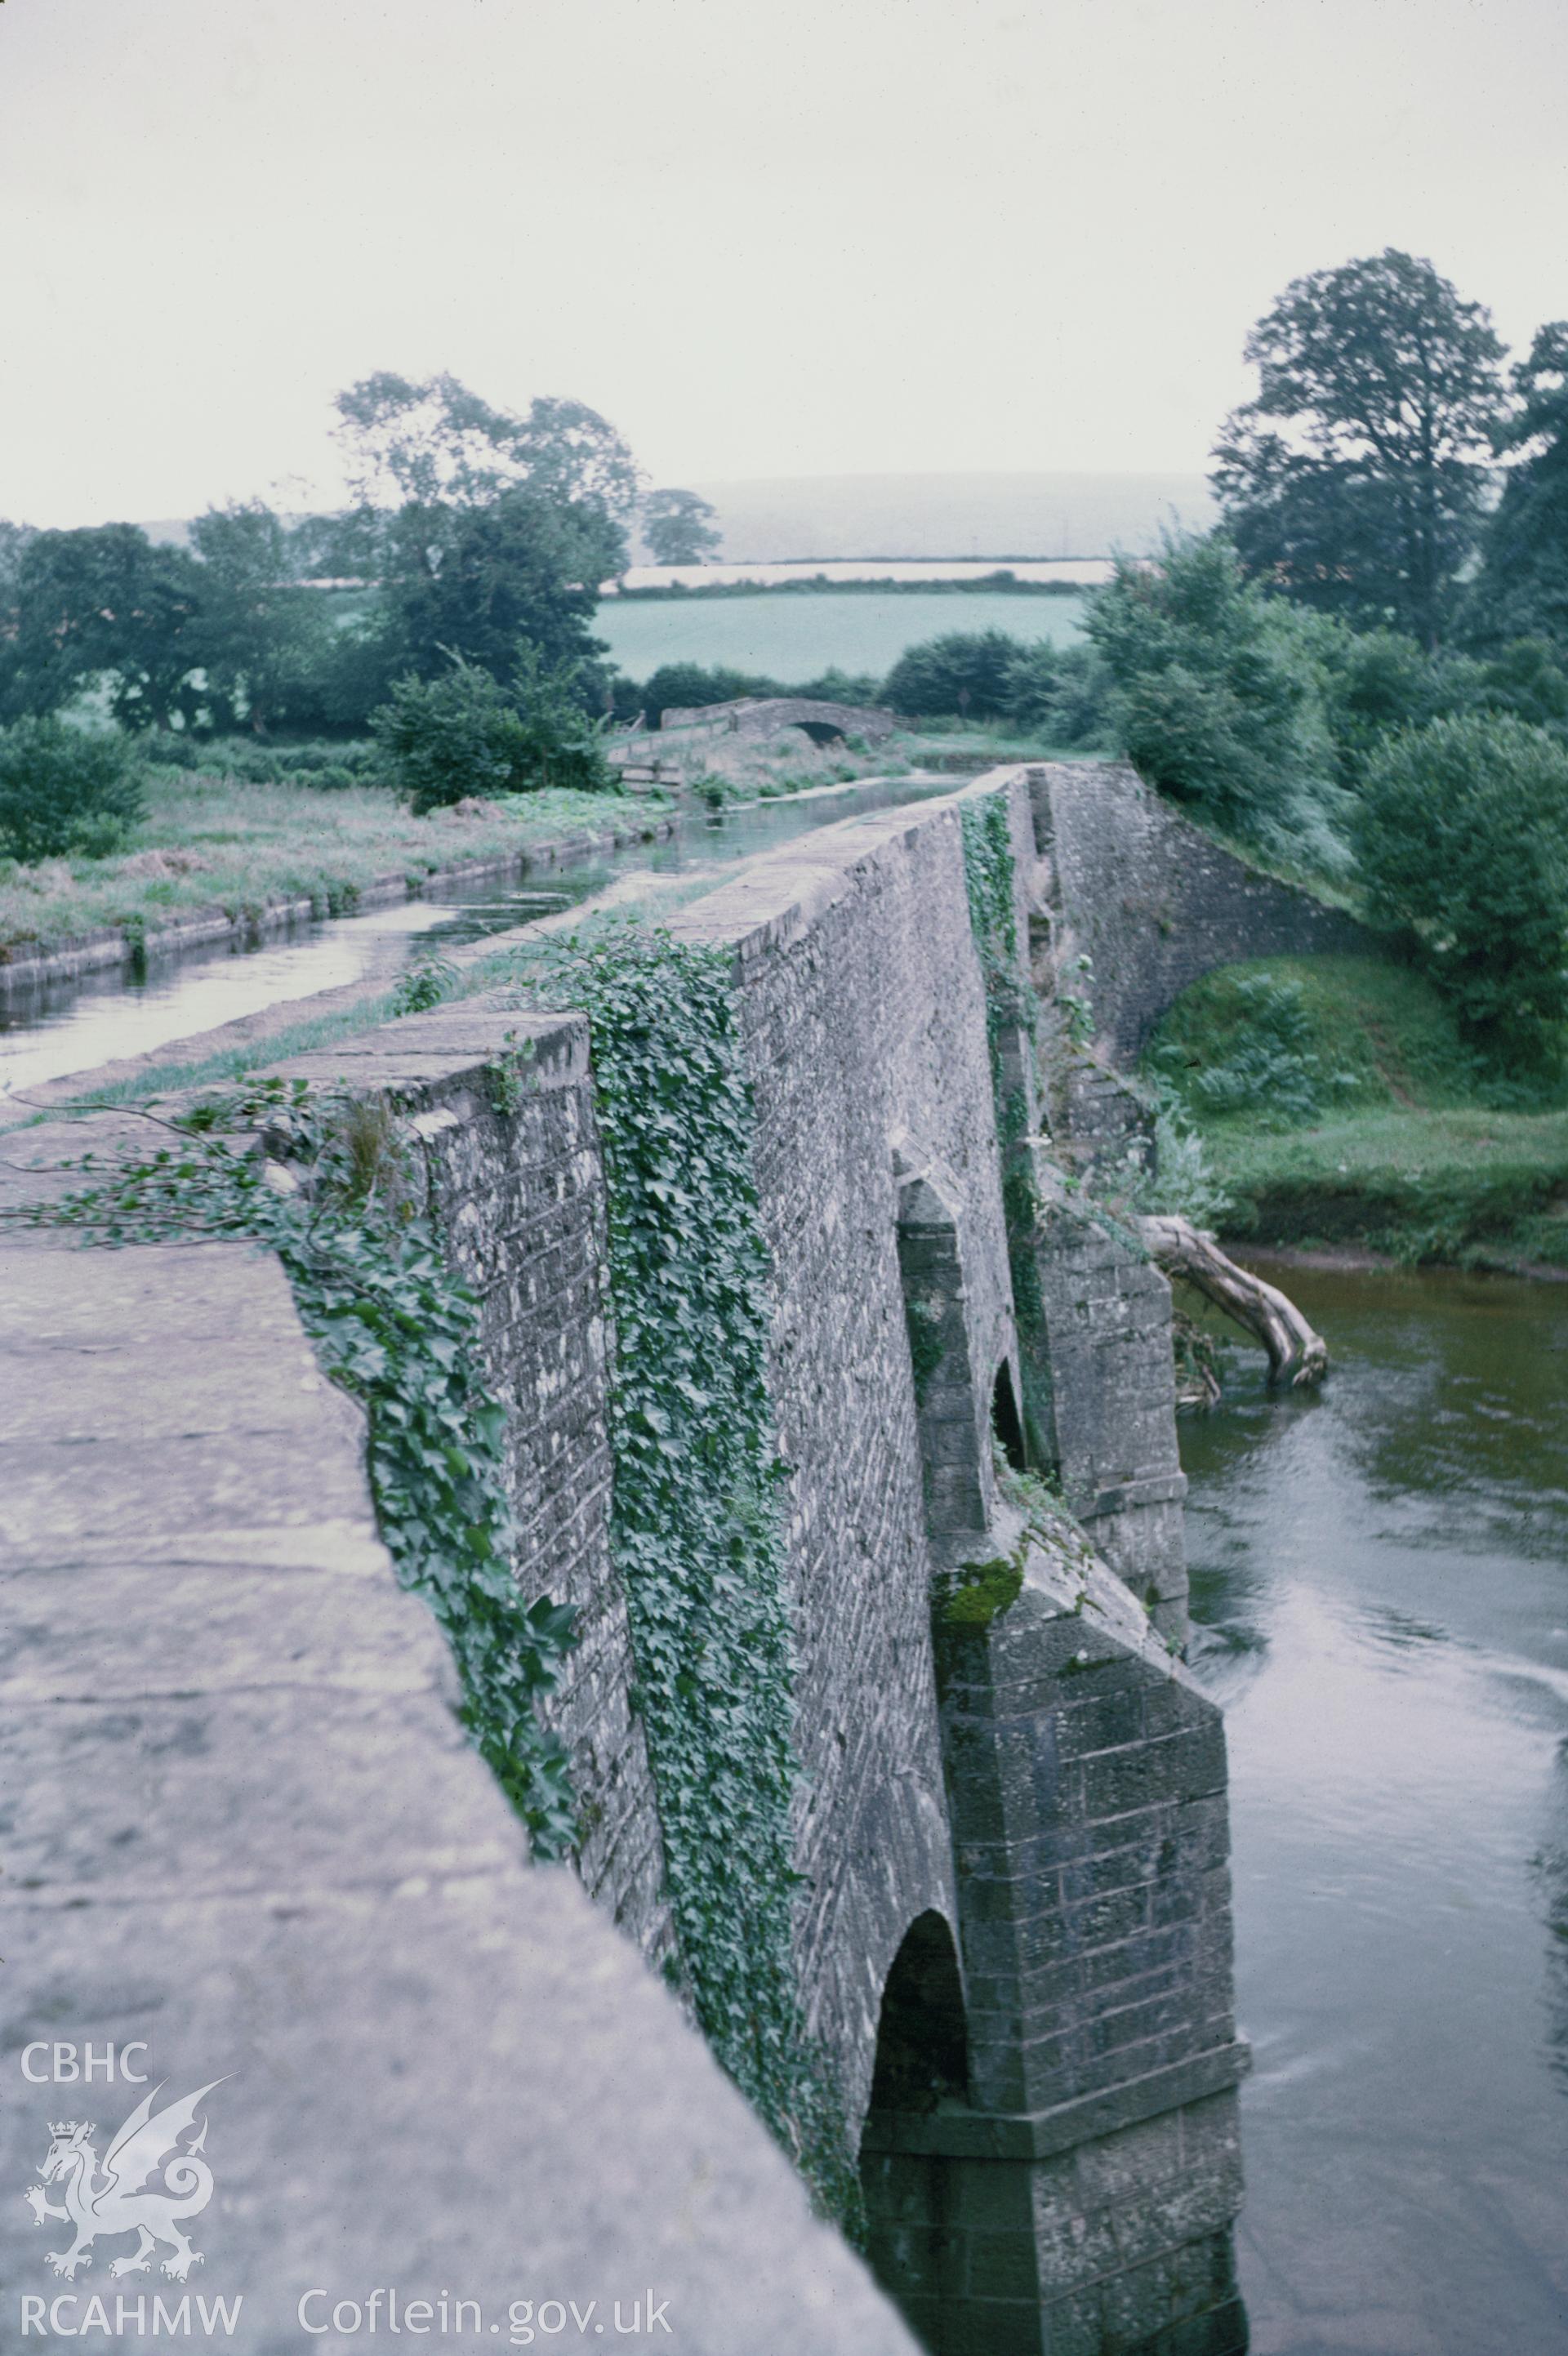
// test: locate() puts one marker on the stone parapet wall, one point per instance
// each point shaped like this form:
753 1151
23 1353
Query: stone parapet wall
519 1195
244 1783
246 1832
1154 903
865 1027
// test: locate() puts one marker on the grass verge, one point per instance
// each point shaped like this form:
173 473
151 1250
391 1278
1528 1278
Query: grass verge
1337 1104
215 842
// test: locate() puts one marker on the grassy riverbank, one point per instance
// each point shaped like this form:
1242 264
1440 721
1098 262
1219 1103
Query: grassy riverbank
1338 1104
214 842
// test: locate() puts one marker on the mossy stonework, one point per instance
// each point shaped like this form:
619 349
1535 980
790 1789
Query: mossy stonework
806 1402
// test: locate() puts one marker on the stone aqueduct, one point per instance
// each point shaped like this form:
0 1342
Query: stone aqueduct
248 1833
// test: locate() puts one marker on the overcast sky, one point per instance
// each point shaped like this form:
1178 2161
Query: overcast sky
765 236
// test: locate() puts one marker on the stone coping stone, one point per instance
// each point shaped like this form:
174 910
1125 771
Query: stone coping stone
778 895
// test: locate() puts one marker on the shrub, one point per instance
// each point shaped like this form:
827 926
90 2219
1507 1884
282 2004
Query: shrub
257 762
445 738
1462 832
835 686
1527 678
62 791
174 748
560 745
1076 709
463 734
1379 682
680 686
1270 1068
965 673
1034 681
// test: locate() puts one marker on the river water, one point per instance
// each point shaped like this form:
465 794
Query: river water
1380 1587
73 1026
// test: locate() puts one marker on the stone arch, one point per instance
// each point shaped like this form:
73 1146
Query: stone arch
1007 1423
914 2243
922 2040
822 732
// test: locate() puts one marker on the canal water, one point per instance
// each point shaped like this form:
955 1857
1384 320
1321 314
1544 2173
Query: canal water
69 1027
1380 1584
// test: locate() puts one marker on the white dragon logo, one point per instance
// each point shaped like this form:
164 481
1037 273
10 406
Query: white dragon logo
146 2146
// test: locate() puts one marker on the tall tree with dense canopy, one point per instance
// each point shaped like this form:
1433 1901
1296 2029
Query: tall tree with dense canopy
261 639
471 581
678 528
481 527
104 602
1522 591
1356 479
1217 690
434 444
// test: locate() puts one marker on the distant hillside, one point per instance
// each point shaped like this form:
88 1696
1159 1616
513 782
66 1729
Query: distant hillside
787 518
952 515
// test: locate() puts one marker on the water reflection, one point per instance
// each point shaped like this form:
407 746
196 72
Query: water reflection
1382 1604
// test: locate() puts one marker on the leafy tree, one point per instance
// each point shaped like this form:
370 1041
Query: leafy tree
64 790
352 665
471 581
1527 678
678 529
103 602
1522 590
1462 833
1033 682
966 673
1356 479
261 639
344 546
1218 693
567 450
432 443
14 538
561 746
1376 682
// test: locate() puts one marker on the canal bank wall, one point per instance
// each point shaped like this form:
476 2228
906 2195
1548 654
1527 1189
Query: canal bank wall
28 967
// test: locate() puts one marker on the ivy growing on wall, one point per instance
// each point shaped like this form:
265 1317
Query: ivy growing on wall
696 1526
340 1200
988 876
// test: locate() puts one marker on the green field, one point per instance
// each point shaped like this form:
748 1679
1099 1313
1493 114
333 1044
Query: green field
792 634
